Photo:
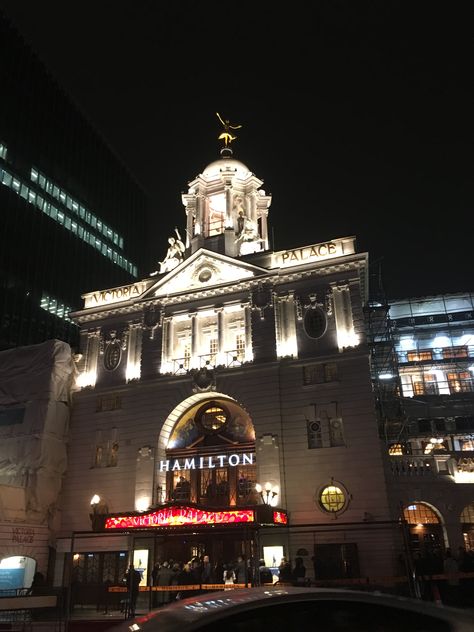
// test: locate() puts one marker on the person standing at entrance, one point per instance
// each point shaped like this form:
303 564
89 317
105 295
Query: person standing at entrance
133 579
241 570
206 571
264 573
229 578
451 570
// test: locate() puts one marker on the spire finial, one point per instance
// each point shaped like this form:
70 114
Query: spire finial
226 135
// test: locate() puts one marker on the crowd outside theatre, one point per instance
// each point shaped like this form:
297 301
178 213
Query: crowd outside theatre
200 570
451 589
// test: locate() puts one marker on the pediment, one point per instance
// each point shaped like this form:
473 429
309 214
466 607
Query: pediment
204 269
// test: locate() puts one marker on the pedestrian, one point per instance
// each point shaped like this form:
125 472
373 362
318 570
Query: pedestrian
451 571
241 570
298 573
264 573
229 579
133 579
284 570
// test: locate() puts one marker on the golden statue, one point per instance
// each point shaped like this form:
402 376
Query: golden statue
226 135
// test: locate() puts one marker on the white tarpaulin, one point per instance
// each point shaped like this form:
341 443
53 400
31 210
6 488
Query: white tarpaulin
35 390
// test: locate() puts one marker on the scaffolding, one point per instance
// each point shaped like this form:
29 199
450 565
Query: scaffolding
422 363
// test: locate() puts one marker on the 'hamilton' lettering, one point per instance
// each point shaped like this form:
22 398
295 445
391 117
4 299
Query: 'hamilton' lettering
208 462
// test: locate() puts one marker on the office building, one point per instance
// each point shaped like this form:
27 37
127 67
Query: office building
72 216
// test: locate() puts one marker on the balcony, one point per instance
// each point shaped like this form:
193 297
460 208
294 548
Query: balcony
433 466
228 359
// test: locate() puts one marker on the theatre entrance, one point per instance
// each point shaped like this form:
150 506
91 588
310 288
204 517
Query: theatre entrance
222 546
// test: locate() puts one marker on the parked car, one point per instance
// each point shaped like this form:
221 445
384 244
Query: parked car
287 608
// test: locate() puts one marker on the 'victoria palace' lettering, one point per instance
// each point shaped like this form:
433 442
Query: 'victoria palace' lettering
207 462
310 252
115 295
315 252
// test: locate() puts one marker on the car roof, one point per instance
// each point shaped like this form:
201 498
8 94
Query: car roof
194 612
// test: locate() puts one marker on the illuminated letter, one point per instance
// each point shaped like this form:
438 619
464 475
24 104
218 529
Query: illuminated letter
164 466
189 464
221 460
247 459
284 257
313 252
210 464
331 248
323 250
234 460
201 462
175 465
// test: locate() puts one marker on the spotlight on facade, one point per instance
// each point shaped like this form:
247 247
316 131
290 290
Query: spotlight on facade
268 493
95 500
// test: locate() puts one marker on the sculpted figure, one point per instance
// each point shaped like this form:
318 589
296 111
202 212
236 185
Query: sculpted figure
174 255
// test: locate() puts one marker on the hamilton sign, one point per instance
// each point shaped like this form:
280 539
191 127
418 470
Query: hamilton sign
207 462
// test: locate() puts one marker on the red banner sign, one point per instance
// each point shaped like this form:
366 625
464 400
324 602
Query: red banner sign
178 517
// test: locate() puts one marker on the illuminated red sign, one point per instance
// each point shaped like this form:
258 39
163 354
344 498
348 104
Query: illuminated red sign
280 517
179 516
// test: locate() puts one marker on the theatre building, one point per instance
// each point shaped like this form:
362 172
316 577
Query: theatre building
231 366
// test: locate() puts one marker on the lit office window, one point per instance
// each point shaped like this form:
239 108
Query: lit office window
73 205
62 218
53 306
3 151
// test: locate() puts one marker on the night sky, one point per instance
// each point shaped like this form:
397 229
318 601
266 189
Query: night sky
357 115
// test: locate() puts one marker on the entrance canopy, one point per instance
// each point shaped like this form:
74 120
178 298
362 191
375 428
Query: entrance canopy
173 516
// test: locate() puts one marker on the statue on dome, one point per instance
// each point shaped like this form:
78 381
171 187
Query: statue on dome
247 233
226 135
174 254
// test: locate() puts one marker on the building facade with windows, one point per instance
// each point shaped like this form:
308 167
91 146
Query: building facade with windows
423 362
235 367
72 217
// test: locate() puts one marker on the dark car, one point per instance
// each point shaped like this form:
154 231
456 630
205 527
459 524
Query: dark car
283 609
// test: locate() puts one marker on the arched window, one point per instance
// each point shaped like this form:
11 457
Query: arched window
419 513
467 524
211 455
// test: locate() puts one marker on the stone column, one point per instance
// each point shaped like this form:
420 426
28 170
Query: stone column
346 336
248 333
134 351
194 341
144 478
228 205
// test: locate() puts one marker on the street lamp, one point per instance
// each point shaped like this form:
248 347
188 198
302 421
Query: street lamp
98 511
268 493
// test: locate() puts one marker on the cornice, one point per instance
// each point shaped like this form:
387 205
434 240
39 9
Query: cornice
279 276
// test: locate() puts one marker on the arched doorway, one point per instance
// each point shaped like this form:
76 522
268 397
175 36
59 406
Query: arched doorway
206 458
426 529
209 454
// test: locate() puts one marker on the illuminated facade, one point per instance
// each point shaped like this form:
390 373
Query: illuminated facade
240 366
423 375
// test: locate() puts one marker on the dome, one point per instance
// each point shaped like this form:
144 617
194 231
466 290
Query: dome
226 164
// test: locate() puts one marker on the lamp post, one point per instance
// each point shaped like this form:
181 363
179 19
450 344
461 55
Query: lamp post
268 493
94 515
